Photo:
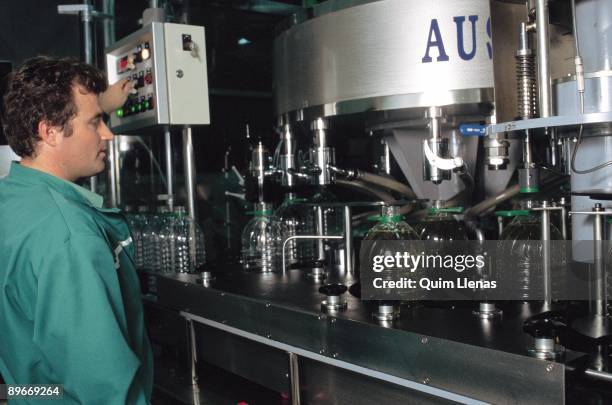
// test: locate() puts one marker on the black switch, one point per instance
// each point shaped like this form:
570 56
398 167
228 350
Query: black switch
141 79
187 43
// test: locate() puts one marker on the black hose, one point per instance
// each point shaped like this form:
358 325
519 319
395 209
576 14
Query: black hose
386 182
367 189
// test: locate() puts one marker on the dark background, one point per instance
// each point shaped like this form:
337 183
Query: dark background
240 92
34 27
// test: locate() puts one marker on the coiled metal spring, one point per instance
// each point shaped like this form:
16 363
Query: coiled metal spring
527 97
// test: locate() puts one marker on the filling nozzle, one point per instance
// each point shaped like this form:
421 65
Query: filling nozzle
287 163
259 166
321 155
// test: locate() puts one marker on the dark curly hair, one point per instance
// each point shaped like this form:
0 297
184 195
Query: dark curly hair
41 90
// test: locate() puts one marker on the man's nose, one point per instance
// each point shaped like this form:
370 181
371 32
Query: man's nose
105 133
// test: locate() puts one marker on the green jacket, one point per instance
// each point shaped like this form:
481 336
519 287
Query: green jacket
70 307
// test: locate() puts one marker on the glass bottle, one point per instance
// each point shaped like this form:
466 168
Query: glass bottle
261 240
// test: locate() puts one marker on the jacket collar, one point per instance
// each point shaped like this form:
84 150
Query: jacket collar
70 190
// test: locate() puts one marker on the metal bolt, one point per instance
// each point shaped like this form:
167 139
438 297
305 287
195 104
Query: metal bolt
268 305
287 375
426 380
319 317
179 73
333 320
550 367
335 355
268 335
321 351
424 340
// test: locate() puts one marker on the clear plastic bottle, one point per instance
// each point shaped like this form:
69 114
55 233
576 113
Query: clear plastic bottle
137 223
297 219
183 262
167 243
150 235
261 241
328 219
520 260
441 225
200 247
182 259
163 217
175 243
391 227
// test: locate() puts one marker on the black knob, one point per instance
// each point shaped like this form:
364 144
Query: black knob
547 324
333 289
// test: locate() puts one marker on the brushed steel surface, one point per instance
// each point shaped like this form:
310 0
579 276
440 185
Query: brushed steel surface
370 57
481 359
505 19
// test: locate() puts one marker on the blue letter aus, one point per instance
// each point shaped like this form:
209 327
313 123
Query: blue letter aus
460 48
435 39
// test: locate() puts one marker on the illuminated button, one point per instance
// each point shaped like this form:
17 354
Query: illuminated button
150 103
130 62
123 63
120 112
146 105
133 108
145 53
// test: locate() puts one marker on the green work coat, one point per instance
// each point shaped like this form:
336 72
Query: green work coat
70 307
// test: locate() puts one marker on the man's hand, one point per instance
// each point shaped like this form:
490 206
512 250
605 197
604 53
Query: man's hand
115 95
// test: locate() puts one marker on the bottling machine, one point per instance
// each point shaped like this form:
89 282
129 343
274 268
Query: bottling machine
488 119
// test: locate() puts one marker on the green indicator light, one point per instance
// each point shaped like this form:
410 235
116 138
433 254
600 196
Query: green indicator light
146 104
120 112
133 108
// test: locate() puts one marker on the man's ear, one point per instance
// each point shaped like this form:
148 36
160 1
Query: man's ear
49 134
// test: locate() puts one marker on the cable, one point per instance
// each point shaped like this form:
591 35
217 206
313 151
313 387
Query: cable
153 159
277 152
580 88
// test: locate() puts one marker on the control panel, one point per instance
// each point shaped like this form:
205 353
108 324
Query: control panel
167 64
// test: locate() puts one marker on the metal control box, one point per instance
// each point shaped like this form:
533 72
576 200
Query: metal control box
168 64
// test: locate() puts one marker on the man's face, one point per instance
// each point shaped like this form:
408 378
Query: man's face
82 153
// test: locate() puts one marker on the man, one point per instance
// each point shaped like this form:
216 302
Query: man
70 309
